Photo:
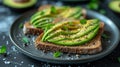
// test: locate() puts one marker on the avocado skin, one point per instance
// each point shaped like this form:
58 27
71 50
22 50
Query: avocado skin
115 6
18 9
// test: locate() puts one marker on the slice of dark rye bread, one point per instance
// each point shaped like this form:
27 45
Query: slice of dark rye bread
92 47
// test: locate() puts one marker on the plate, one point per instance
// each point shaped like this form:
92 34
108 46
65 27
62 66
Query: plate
108 44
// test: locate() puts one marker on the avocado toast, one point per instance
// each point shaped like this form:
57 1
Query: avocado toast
50 14
89 47
65 29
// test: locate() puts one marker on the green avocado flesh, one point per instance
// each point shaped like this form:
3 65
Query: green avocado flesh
13 4
69 32
66 34
115 6
49 14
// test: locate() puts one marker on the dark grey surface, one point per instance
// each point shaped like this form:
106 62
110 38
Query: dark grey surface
16 59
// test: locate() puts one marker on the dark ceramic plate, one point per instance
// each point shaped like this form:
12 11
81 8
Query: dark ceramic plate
108 44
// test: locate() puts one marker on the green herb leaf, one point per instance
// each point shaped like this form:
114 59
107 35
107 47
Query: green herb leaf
94 1
25 40
102 11
42 13
65 28
118 59
105 36
93 6
21 25
83 21
47 27
57 54
3 49
53 9
70 23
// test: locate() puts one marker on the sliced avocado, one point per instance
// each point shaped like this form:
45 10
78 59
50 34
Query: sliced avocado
81 32
58 25
77 16
74 36
61 32
43 20
84 33
75 11
115 5
49 12
39 15
61 9
45 25
70 12
13 4
78 41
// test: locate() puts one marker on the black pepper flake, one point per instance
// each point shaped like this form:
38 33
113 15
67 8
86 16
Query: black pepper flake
5 54
69 55
93 43
44 51
28 35
25 45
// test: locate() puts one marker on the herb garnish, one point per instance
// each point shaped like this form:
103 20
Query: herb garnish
65 28
118 59
83 21
102 11
53 9
93 6
25 40
21 25
70 23
47 27
3 49
42 13
57 54
105 36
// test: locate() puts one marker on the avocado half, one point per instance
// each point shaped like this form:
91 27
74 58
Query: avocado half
13 4
19 7
115 6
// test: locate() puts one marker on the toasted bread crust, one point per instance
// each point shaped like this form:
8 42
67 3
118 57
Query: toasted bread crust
29 29
92 47
43 7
